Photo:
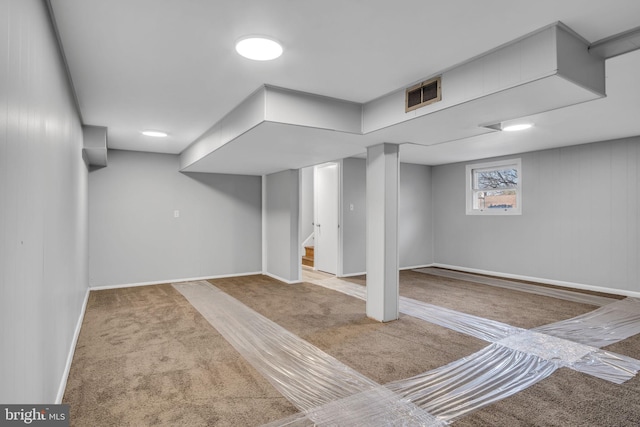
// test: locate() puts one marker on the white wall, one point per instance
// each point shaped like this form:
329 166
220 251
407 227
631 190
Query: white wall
415 225
43 207
135 238
282 247
580 220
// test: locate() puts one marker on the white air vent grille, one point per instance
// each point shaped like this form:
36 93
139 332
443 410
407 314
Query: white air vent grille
422 94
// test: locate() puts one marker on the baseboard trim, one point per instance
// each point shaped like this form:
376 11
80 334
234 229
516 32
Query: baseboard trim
288 282
72 350
362 273
573 285
417 266
163 282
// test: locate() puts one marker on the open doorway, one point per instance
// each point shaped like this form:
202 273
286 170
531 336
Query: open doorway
320 218
326 207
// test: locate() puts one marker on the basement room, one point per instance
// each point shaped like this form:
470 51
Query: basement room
320 213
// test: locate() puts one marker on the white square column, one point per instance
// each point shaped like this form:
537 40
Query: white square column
383 178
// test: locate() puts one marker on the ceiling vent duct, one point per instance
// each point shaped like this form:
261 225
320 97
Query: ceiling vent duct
545 70
422 94
548 69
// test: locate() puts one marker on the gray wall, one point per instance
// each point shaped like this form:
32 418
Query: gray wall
415 218
43 208
580 220
306 202
354 222
135 238
282 210
415 228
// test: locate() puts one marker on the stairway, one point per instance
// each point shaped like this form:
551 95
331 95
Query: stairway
307 259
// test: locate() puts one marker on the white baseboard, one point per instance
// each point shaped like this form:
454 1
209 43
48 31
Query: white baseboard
541 280
362 273
288 282
162 282
417 266
72 350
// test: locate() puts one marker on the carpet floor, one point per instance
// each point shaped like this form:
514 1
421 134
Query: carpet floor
145 356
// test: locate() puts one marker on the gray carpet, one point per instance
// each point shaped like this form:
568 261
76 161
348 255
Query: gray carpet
146 357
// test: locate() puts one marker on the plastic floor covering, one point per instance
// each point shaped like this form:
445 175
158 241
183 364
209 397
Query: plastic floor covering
328 392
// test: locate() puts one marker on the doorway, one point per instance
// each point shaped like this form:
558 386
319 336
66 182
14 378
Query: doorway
326 214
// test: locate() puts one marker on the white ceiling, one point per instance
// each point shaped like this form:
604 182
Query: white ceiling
170 65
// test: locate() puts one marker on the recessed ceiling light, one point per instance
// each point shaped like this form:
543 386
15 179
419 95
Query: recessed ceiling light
259 48
154 133
513 128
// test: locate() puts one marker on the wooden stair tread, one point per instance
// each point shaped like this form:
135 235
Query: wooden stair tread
308 257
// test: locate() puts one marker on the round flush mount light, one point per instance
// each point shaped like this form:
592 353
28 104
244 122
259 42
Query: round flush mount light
515 128
154 133
259 48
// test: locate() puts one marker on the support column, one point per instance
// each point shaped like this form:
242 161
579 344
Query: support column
281 213
383 177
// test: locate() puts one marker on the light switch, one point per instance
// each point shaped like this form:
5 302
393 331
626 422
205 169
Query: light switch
351 207
176 214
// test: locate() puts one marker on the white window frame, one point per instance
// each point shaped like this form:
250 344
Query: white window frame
500 164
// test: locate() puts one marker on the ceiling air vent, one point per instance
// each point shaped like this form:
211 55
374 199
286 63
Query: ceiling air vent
422 94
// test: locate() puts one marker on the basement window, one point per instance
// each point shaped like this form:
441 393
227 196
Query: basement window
494 188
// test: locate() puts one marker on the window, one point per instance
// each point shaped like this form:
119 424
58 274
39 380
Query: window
494 188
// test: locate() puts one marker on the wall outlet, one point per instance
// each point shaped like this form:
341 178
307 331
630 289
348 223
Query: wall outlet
176 214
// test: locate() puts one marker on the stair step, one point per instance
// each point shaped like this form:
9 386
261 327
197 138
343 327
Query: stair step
308 258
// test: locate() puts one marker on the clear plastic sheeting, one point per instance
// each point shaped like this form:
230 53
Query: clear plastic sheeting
487 376
327 392
557 350
378 406
303 373
604 326
564 353
454 390
609 366
309 378
484 329
571 343
343 286
479 327
532 289
357 410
